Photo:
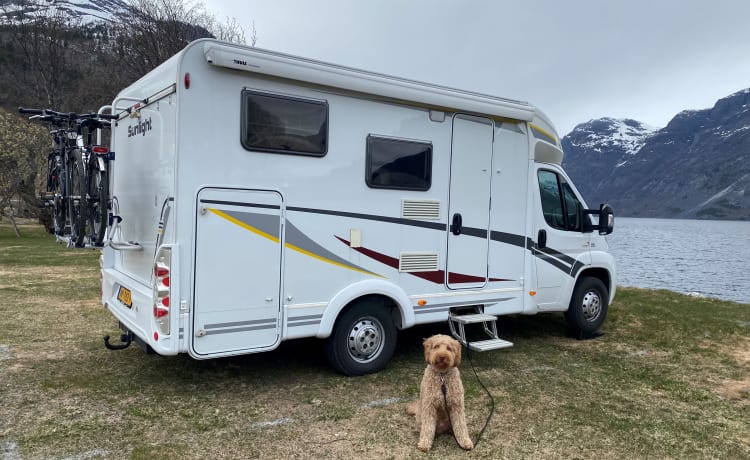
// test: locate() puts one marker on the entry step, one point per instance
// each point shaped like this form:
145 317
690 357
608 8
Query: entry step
458 322
473 318
491 344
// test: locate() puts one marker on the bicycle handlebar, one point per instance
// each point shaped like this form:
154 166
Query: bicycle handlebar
35 111
52 116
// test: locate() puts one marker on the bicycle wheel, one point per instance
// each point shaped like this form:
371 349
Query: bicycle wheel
97 202
58 203
77 198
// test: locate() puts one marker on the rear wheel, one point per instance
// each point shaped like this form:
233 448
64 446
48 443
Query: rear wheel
363 339
98 194
588 307
58 203
77 199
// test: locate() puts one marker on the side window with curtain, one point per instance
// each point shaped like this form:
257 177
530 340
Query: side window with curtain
284 124
398 164
560 206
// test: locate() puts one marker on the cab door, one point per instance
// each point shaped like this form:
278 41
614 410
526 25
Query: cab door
561 248
237 272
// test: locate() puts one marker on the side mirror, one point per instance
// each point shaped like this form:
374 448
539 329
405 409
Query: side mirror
606 219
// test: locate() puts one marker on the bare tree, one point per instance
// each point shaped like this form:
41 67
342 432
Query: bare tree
21 161
151 31
41 39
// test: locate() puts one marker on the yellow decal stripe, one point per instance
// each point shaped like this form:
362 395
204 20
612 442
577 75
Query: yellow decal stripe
546 133
332 262
244 225
290 246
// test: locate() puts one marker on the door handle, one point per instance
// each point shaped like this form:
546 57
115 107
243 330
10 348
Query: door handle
456 224
541 239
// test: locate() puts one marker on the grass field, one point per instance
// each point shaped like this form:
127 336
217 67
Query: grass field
669 379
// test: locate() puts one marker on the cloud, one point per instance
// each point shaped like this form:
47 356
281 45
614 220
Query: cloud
576 60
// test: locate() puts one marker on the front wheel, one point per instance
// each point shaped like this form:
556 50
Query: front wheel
363 339
588 307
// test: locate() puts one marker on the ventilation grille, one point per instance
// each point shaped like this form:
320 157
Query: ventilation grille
420 209
418 262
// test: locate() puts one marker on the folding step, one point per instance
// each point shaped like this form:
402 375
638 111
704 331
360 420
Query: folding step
473 318
457 323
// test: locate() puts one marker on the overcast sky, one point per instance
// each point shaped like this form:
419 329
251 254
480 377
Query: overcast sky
574 59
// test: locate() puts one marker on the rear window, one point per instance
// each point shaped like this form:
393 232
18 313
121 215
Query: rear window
398 164
284 124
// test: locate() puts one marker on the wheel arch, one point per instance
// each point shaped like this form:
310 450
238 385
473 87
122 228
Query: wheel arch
602 274
392 297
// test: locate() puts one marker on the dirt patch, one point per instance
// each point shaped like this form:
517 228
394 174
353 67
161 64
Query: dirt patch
737 389
5 352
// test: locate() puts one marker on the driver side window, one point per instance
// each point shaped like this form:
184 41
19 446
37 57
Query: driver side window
560 205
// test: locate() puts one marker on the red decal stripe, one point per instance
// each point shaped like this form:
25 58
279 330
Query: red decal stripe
437 276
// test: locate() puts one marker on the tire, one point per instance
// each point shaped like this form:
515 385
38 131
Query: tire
77 206
59 206
588 307
97 203
363 339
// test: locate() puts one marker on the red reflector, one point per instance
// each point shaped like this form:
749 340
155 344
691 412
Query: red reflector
187 80
165 281
165 302
160 312
158 271
156 336
100 149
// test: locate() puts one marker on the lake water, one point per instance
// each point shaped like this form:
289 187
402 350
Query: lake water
701 257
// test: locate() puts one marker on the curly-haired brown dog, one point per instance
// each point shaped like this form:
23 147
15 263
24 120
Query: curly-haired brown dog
443 355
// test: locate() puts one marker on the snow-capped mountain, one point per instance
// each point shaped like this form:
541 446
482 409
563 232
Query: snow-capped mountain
87 11
608 134
698 166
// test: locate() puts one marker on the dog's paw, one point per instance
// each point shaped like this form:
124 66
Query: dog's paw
466 444
423 446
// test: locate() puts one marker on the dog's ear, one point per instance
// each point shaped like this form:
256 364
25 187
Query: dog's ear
456 345
427 344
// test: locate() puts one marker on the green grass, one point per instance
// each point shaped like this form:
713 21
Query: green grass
669 379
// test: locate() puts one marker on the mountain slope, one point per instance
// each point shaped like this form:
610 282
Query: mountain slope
87 11
698 166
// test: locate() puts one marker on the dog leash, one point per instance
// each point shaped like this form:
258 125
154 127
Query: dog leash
492 400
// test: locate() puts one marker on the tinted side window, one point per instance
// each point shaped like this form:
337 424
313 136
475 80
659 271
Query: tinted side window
573 209
560 205
549 190
274 123
398 164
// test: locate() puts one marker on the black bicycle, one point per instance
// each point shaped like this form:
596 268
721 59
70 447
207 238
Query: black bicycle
77 181
96 168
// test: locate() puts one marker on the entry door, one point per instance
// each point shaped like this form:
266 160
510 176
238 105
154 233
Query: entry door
237 271
469 202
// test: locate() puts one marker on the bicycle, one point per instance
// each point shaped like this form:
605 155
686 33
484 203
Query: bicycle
77 194
96 161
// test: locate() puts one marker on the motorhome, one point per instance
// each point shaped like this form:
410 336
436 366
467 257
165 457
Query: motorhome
259 197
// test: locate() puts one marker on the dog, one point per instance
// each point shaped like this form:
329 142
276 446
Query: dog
435 411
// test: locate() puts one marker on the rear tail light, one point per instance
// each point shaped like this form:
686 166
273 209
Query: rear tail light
100 149
162 290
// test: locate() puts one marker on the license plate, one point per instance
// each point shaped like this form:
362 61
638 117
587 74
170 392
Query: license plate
124 296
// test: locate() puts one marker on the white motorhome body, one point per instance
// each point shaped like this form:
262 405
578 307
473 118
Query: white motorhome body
260 197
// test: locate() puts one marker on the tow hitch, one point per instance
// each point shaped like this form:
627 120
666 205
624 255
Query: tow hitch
126 339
